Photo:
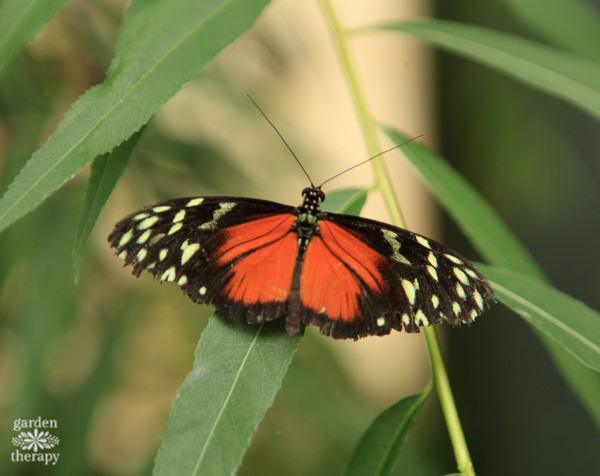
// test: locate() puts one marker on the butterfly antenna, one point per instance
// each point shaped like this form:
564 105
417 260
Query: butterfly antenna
282 139
371 158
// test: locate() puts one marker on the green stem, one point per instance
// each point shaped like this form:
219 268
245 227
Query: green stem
383 182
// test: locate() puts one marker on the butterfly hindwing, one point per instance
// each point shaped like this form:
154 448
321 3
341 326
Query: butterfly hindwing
393 279
209 245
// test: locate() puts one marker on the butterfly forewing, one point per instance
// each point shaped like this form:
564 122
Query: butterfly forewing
211 246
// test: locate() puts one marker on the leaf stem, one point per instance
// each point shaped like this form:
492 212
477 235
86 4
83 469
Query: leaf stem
383 182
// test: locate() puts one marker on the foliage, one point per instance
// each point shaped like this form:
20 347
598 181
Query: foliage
238 372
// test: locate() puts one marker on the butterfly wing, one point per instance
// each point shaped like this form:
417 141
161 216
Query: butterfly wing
235 253
362 277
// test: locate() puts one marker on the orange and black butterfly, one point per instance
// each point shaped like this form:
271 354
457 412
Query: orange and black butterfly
256 261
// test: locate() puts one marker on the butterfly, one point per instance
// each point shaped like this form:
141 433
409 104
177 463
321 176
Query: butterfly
256 261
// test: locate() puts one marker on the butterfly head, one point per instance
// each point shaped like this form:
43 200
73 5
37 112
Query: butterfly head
312 198
310 208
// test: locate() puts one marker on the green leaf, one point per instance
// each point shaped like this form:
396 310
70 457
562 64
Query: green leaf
568 321
346 200
495 242
379 448
564 75
570 24
106 170
162 45
236 375
478 220
20 20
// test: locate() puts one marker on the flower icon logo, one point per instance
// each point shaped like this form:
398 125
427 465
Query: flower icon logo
35 441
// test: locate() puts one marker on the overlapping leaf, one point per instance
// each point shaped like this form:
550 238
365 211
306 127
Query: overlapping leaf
20 20
106 170
379 448
570 24
567 76
495 241
569 322
236 375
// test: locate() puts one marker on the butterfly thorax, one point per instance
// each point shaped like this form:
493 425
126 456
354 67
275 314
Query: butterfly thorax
307 224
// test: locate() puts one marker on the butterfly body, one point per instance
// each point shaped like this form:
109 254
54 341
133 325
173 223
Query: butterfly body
256 260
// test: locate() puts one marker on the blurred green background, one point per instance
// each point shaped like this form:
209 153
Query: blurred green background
105 356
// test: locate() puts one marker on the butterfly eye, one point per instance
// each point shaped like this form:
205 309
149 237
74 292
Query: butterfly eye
321 195
305 191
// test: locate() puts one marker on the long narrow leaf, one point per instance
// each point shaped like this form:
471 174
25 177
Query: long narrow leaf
20 20
568 321
236 375
379 448
569 77
162 45
469 210
106 170
557 23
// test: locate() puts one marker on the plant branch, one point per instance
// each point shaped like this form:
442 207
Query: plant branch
383 180
384 184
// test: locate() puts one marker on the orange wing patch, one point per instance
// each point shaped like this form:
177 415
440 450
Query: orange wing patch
333 266
265 273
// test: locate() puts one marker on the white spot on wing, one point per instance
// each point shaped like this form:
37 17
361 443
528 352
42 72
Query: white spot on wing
169 274
188 251
179 216
471 273
478 299
456 308
194 201
432 271
175 228
422 241
410 290
380 321
123 255
163 254
406 320
390 237
435 301
453 258
421 319
125 238
144 237
140 216
182 281
224 208
460 291
462 277
160 209
202 291
432 259
141 254
147 223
